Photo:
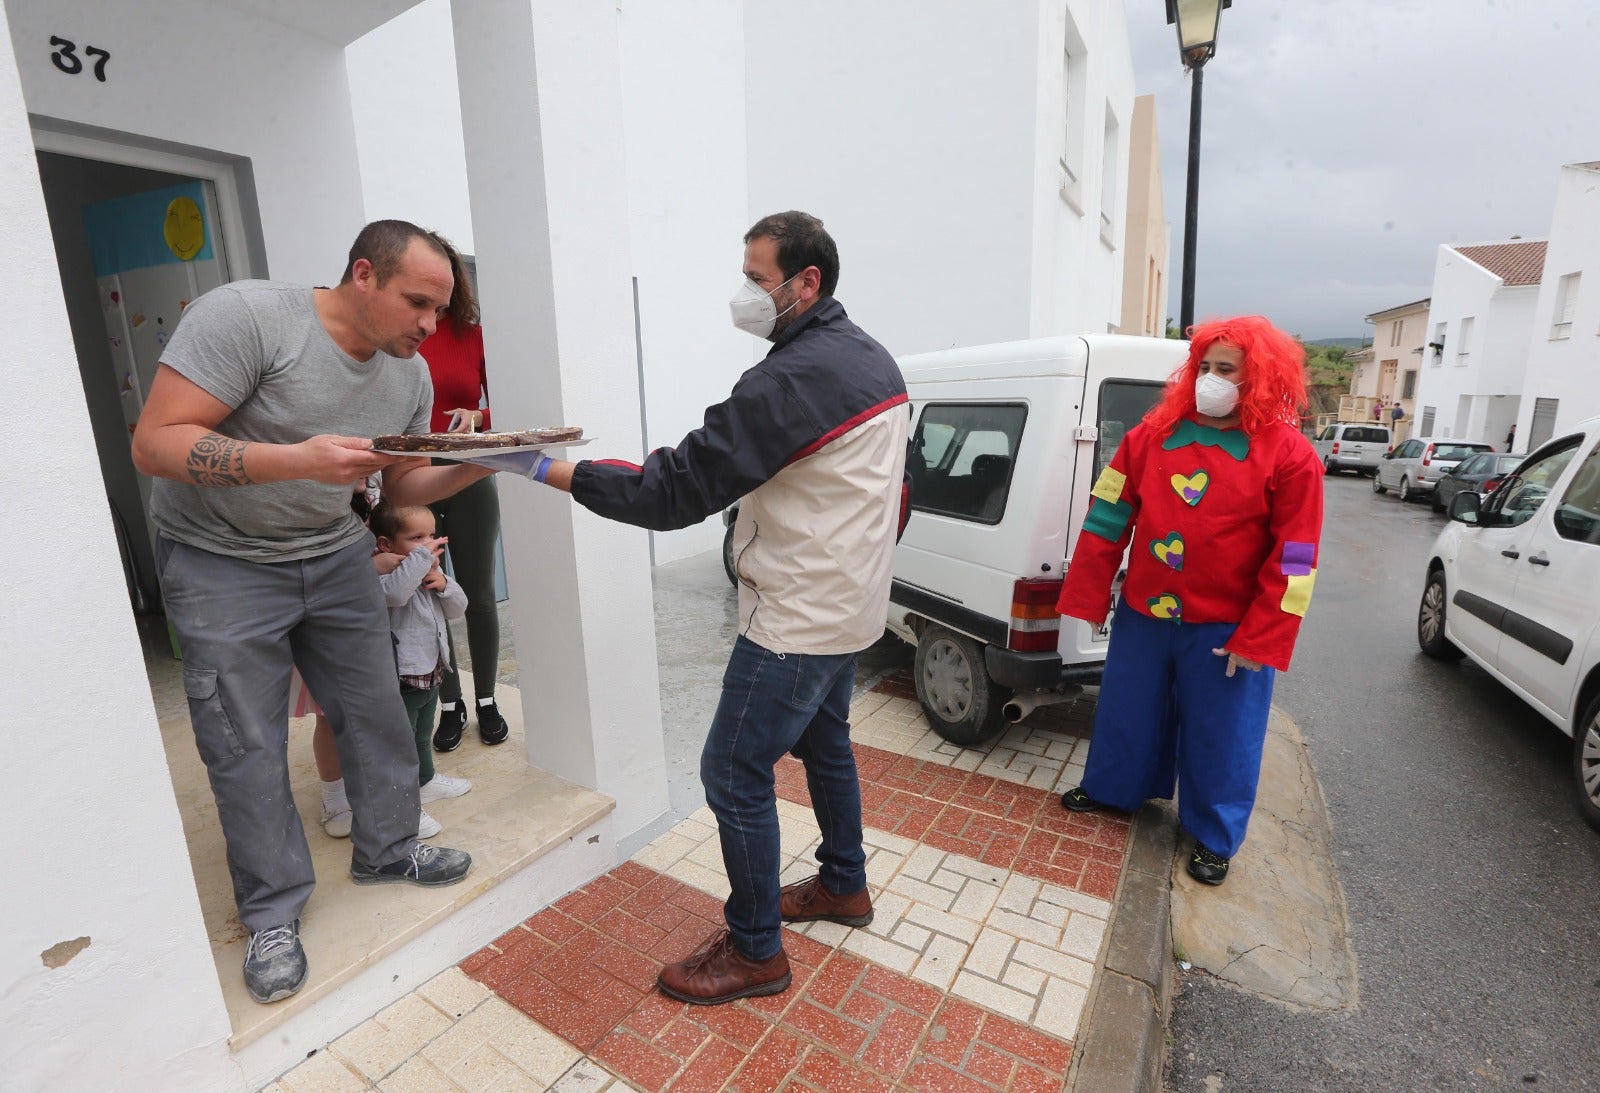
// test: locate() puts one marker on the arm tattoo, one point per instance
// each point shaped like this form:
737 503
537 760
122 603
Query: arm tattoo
217 460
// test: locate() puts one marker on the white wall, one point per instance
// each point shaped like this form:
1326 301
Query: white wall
1568 369
206 77
909 129
683 84
1491 381
1077 279
542 111
407 111
99 858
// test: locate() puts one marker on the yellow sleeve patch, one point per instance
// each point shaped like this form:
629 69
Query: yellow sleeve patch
1108 487
1297 597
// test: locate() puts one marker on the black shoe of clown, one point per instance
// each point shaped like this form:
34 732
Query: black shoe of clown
1075 800
1206 867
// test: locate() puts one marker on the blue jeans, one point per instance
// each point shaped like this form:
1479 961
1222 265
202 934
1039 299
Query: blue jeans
774 703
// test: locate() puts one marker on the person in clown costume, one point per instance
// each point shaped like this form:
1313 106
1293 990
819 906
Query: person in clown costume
1216 498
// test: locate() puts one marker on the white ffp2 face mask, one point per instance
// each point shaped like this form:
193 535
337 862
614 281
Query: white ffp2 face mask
753 310
1215 396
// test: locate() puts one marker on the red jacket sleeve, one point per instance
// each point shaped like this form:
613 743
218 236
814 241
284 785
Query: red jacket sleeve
1268 631
1107 528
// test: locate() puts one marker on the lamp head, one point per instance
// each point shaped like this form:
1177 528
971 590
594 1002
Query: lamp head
1197 28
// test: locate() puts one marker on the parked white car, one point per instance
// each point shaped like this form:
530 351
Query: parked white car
1413 469
1513 581
1007 441
1348 446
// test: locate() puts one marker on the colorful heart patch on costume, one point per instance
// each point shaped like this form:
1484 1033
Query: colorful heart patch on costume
1168 551
1166 606
1191 487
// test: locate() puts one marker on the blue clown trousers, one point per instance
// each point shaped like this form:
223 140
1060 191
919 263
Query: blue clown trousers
1168 713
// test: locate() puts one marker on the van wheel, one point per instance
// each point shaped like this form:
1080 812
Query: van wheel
1327 466
963 705
1378 487
1430 620
728 566
1586 762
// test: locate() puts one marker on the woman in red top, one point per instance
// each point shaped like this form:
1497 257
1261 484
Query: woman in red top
471 518
1216 498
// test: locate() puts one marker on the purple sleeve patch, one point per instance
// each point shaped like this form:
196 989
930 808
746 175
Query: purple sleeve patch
1299 559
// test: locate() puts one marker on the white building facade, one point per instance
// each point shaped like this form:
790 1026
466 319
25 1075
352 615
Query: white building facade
971 161
1474 362
1562 385
601 161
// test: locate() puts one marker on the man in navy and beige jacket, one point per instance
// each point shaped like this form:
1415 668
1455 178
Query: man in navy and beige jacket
813 439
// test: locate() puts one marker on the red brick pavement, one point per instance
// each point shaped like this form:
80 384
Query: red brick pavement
585 969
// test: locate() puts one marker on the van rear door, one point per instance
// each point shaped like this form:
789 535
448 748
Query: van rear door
1123 379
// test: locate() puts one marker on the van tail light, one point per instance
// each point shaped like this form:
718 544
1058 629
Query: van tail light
1035 622
1335 447
1426 460
1491 485
1390 448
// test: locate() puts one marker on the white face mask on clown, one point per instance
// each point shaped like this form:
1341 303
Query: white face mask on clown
1215 396
754 311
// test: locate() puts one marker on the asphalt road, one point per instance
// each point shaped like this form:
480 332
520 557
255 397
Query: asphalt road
1472 883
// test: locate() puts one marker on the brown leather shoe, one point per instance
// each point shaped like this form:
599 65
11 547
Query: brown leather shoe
810 901
717 972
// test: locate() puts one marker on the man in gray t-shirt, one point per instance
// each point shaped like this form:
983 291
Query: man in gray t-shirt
255 430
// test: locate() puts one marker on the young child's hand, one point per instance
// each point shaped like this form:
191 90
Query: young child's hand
437 545
435 580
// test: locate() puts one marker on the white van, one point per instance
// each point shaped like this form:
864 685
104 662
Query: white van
1007 441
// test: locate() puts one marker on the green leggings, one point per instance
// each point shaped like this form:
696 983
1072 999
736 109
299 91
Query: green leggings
471 521
421 706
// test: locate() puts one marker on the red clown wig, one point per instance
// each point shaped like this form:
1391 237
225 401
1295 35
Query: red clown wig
1274 385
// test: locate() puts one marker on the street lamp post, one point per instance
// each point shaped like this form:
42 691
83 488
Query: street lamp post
1197 41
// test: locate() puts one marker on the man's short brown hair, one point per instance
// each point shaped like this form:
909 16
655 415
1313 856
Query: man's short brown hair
802 242
383 243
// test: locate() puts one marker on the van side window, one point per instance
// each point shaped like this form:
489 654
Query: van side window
1123 404
1578 516
961 459
1520 496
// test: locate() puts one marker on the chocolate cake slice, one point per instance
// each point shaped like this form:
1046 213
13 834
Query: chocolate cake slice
467 442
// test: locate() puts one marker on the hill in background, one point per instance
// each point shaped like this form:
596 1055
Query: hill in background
1340 343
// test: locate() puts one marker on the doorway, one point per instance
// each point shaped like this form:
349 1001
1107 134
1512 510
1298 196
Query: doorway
121 235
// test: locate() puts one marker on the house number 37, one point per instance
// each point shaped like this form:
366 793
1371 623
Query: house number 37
67 60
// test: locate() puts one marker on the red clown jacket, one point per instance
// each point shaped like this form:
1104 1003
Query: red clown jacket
1224 527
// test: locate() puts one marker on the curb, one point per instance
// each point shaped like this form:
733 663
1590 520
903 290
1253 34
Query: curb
1122 1040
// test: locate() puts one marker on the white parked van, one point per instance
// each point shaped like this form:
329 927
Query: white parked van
1007 441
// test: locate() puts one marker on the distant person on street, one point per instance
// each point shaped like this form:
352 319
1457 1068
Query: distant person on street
1216 498
1511 436
255 433
814 440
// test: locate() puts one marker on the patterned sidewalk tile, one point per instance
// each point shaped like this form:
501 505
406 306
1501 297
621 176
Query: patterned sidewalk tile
990 910
848 1021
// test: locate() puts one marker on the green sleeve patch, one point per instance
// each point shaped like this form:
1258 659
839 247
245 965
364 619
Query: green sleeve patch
1107 519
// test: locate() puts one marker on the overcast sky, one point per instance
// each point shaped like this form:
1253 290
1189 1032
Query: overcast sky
1343 142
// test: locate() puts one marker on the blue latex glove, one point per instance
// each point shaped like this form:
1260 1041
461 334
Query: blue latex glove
534 465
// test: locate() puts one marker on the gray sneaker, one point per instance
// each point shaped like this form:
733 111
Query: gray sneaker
275 963
429 866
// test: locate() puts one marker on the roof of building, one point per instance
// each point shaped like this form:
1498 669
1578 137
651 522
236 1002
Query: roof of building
1520 262
1414 305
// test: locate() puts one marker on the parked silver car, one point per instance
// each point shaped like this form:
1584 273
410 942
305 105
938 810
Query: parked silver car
1414 468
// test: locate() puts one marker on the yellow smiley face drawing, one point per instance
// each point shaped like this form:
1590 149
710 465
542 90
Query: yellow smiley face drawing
185 228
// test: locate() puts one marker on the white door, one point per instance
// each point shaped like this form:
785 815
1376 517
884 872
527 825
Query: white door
1557 597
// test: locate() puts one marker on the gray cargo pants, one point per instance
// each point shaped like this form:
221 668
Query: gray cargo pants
239 624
